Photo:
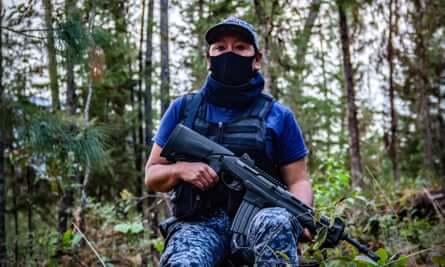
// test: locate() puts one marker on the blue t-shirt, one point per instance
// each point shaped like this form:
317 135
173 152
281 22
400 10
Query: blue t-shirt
285 146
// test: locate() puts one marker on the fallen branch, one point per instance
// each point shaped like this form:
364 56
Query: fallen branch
90 245
436 207
414 254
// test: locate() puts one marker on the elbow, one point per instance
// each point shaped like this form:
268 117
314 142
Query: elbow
152 181
147 180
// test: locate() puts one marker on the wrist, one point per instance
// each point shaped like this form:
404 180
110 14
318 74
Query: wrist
176 172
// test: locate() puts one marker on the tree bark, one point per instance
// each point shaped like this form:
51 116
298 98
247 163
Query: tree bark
70 83
29 176
148 76
16 214
441 119
422 86
303 41
325 91
165 73
393 144
65 209
2 151
94 56
266 26
304 37
151 216
52 63
139 141
354 140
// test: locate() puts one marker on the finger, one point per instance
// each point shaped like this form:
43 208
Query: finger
203 180
212 174
199 184
205 176
308 235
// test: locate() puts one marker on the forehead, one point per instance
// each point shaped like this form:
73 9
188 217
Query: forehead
232 35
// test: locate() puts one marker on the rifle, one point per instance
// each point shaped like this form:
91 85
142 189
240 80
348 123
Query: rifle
261 189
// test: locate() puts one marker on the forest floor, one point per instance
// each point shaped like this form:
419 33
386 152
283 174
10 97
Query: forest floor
404 226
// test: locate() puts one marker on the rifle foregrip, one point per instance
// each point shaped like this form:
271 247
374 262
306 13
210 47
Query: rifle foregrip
243 217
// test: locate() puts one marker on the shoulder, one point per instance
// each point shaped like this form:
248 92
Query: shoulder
280 114
178 105
280 109
172 116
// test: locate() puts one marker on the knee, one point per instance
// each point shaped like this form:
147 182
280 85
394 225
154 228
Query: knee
193 257
274 218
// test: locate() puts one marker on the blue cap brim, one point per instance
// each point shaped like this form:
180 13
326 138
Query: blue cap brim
214 33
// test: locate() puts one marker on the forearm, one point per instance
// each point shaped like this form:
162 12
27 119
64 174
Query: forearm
302 190
161 177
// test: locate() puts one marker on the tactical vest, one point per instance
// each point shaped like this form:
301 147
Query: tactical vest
246 133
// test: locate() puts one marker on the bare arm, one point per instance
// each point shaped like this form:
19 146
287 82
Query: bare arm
296 178
162 175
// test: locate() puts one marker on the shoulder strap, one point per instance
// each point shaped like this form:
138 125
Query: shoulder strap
262 106
192 110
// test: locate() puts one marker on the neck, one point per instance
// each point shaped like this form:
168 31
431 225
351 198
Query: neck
233 96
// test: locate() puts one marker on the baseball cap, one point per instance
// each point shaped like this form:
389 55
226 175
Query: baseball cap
233 24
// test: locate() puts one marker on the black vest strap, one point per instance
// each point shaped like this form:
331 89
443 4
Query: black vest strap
193 110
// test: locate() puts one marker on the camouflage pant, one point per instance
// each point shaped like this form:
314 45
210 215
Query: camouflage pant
272 238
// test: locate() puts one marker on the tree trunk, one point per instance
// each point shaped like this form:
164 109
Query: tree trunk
304 37
65 209
147 75
140 140
393 144
30 196
165 73
303 41
427 125
2 151
202 48
15 211
266 27
52 63
70 83
422 86
354 140
441 119
151 216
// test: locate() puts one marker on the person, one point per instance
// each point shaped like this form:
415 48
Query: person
232 110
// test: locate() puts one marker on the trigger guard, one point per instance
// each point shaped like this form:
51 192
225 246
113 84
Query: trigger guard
234 184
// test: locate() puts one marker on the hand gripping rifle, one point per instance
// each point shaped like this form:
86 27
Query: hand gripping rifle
261 190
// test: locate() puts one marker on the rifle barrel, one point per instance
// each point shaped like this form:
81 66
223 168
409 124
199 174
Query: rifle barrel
361 248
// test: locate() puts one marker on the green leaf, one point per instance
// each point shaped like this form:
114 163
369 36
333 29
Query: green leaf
320 237
67 238
383 254
136 228
132 228
159 244
122 228
401 262
366 260
283 255
76 239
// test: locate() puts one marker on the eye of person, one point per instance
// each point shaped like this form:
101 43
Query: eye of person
240 46
218 47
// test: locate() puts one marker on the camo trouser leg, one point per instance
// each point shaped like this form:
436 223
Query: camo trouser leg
273 236
199 243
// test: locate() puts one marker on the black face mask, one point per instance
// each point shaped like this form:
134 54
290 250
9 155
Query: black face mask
232 69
